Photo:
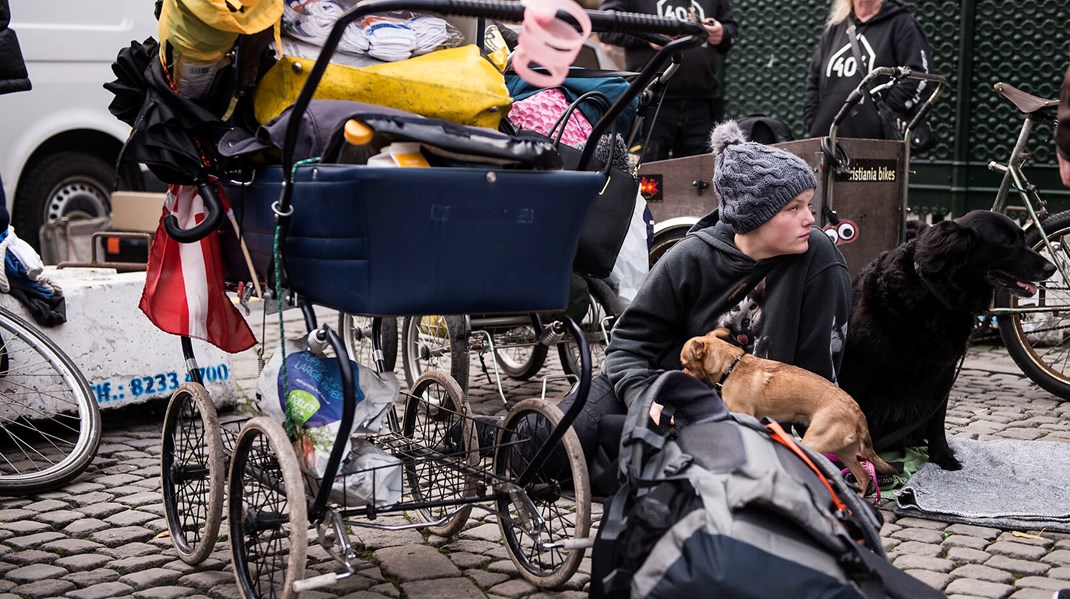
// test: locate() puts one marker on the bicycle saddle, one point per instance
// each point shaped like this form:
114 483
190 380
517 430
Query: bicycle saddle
1027 103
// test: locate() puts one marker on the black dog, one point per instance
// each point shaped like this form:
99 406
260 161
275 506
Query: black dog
913 310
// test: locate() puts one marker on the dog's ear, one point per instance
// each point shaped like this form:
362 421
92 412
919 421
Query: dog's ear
694 351
720 333
943 247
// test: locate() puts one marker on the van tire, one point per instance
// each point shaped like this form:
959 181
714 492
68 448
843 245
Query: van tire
63 184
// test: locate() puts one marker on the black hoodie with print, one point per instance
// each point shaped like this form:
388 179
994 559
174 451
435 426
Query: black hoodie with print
697 77
791 308
890 38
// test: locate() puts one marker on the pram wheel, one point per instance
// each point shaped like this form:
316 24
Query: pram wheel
192 472
443 450
518 352
559 495
435 342
267 511
356 332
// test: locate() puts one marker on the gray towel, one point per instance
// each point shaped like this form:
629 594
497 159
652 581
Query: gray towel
1007 484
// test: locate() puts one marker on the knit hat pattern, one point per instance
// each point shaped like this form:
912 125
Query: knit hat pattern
754 181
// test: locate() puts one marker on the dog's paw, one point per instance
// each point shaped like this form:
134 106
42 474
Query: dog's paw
948 462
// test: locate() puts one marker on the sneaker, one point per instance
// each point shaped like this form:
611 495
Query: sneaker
1063 594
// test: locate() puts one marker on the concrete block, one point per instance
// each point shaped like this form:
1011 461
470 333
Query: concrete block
125 358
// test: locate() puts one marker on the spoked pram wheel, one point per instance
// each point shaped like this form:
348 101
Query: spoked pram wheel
538 520
443 450
192 472
267 511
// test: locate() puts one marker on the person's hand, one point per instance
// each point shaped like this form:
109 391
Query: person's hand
714 31
1064 169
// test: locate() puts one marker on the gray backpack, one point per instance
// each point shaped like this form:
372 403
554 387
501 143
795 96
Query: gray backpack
721 505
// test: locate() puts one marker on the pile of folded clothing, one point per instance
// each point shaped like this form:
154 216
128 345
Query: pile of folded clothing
386 36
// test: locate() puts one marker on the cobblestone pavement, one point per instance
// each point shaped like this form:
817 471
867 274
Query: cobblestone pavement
104 535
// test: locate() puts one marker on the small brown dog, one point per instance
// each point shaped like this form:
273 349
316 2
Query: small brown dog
786 393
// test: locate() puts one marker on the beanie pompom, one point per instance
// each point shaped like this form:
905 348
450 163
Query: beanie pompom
726 134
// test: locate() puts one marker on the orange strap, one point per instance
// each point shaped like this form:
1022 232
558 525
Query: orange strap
782 437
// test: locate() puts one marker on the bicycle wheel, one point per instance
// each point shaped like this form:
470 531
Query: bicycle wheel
50 421
356 331
435 342
192 472
518 352
1039 341
559 495
443 450
596 323
267 512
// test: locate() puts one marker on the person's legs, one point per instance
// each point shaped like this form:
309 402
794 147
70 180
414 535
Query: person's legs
666 129
696 121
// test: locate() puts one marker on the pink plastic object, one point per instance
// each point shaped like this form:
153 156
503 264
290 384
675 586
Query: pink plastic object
548 41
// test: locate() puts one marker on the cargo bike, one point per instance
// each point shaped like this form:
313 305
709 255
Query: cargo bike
388 242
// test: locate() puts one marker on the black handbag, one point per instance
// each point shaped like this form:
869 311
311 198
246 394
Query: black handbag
607 222
894 122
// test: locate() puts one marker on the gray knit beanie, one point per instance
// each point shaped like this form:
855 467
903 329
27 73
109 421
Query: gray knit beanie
754 181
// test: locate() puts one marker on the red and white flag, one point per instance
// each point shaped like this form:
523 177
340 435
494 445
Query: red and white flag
184 282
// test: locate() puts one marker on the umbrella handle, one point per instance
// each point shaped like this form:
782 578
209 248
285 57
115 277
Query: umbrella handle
213 215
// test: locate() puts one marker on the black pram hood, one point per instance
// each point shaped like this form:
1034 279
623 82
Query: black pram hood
166 125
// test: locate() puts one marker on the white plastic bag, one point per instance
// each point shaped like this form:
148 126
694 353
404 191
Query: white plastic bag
633 261
368 475
315 401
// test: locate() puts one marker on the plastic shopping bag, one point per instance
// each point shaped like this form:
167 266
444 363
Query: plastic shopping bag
311 399
633 261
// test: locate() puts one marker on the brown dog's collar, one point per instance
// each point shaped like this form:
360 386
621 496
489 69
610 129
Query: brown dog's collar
724 377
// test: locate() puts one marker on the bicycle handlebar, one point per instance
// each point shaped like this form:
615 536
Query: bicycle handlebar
897 74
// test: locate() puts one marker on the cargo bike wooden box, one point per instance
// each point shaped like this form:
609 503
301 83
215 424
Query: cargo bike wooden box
390 242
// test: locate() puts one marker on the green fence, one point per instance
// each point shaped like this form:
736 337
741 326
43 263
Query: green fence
975 44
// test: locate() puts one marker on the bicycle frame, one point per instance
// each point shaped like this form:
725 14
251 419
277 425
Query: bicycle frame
1036 207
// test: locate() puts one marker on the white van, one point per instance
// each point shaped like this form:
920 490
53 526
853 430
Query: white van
58 142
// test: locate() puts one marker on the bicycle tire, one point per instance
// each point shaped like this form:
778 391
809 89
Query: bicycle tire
267 512
441 432
39 450
564 506
431 342
518 352
1039 342
192 472
355 330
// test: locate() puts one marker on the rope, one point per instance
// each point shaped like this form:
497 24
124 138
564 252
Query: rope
291 423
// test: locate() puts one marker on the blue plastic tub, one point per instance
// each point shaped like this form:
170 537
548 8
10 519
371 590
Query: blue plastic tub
386 241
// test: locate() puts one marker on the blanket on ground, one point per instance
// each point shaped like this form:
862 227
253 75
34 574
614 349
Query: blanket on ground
1006 484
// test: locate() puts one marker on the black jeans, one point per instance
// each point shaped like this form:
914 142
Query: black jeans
598 425
682 128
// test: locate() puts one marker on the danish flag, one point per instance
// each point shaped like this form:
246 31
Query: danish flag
184 282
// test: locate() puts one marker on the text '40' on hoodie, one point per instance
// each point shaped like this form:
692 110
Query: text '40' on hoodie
891 38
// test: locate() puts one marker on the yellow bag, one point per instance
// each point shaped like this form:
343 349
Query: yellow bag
199 33
456 85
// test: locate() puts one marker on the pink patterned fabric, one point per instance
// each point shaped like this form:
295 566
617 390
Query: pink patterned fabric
539 111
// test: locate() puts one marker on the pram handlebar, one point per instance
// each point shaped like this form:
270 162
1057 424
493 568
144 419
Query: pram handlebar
692 35
213 215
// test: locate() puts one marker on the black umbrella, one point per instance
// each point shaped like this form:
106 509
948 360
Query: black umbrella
171 134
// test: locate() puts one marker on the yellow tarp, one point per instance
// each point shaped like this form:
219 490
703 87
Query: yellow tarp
456 85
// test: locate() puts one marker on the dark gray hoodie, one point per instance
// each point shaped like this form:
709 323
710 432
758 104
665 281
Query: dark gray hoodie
793 309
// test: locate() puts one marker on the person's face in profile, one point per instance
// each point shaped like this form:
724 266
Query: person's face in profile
788 232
